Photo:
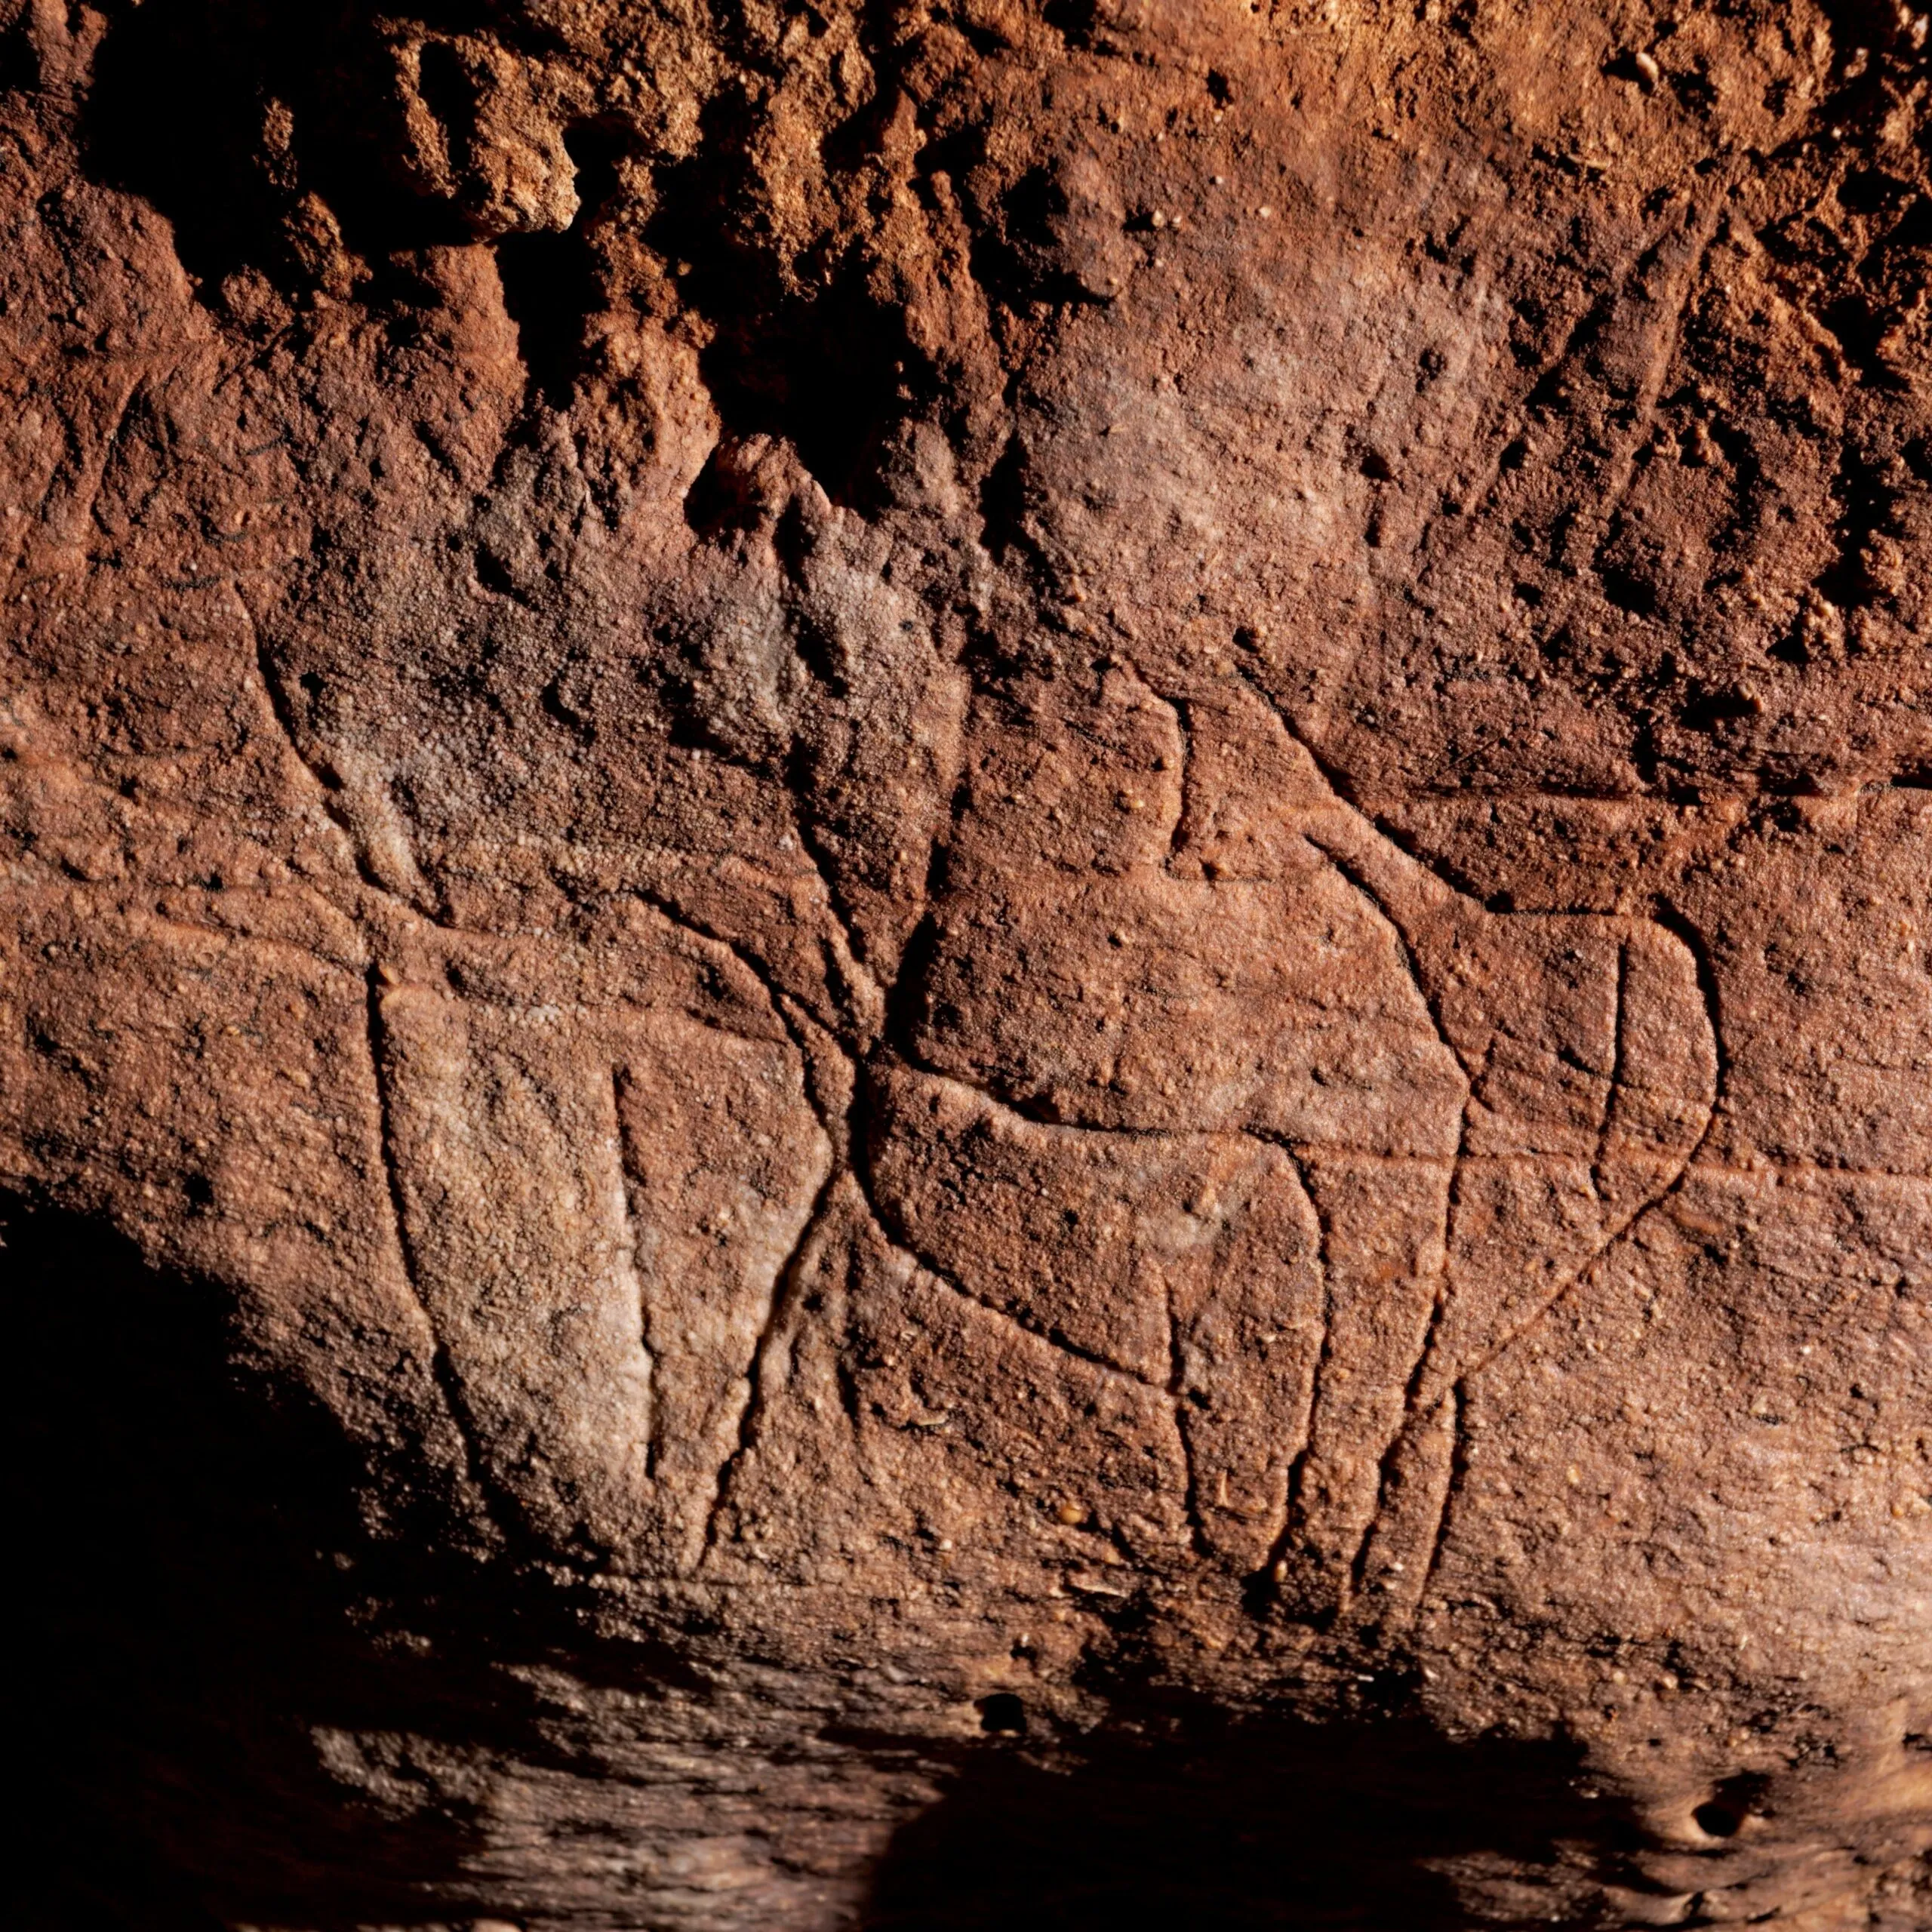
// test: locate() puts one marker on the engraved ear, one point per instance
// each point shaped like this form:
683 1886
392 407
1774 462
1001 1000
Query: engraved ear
1251 785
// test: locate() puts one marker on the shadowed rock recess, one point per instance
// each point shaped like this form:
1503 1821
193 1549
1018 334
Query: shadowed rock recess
965 963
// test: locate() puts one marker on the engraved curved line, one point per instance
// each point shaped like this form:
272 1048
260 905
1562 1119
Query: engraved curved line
441 1368
1707 986
781 1002
784 1291
1039 1331
1458 1389
855 966
1457 1395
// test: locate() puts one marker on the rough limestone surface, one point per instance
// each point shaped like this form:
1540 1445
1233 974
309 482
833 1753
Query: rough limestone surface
965 964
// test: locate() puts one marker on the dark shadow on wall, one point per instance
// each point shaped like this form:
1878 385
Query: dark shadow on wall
1292 1827
225 113
235 118
185 1623
181 1620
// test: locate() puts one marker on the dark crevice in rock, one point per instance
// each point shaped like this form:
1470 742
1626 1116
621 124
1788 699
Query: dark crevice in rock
551 282
1202 1822
225 113
802 351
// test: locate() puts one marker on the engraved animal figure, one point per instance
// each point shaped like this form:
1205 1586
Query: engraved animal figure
701 881
1262 1112
1171 1061
1192 1073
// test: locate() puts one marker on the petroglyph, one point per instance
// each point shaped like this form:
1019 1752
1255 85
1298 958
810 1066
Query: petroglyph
1216 1087
986 890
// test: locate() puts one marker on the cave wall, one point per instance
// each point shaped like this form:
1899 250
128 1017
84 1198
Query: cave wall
966 963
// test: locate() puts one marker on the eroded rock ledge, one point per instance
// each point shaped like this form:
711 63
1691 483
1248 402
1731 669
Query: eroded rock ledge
966 964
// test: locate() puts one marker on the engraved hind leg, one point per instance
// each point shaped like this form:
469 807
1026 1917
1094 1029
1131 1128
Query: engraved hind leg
1662 1087
1594 1071
503 1135
598 1210
1600 1074
1590 1066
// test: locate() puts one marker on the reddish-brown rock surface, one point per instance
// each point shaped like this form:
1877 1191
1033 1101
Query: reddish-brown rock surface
965 964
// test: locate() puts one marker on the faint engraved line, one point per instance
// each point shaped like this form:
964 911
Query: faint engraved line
785 1290
1353 874
1512 794
1071 1130
1419 1368
110 445
1456 1396
838 1135
1293 1512
441 1368
627 1222
1412 1392
285 726
767 976
1458 1391
1514 418
1809 1170
1570 1283
1178 1395
1603 512
1021 1111
1371 1157
1412 1399
1618 1061
855 963
1620 467
269 942
1185 822
1707 988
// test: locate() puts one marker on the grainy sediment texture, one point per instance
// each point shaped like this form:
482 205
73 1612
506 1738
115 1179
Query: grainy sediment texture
965 964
